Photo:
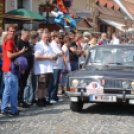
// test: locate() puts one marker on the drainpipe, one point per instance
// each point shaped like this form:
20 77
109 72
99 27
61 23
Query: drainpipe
118 2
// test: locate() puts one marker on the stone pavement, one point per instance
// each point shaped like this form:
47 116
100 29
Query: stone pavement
59 119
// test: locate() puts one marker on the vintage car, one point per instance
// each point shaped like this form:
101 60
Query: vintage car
106 76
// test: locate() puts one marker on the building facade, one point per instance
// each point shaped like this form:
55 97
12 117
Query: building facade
16 4
85 5
2 11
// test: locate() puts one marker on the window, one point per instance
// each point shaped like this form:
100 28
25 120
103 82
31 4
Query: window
20 3
91 5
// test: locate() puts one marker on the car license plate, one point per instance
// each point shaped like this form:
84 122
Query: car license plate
103 98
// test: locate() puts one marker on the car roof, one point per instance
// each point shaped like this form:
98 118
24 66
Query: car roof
115 46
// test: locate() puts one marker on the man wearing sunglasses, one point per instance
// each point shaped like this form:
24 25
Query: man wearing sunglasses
10 94
57 67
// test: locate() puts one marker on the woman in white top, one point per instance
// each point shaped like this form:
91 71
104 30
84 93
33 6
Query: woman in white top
66 65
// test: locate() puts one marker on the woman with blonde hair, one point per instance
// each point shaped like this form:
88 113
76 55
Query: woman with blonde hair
92 41
85 46
3 37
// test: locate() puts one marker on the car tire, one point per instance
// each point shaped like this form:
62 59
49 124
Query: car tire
76 106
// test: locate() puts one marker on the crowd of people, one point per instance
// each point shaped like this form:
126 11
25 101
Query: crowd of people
34 63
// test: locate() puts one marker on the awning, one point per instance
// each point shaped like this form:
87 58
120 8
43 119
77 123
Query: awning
23 13
16 17
84 29
92 24
117 25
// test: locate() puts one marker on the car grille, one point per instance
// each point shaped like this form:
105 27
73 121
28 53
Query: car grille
113 83
116 91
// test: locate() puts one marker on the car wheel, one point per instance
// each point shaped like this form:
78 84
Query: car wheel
76 106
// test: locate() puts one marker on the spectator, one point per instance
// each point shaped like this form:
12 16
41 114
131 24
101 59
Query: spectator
46 30
40 31
122 40
10 93
57 67
93 41
24 42
75 53
115 40
43 67
30 89
61 31
52 36
3 37
87 35
66 65
71 36
85 46
103 39
1 31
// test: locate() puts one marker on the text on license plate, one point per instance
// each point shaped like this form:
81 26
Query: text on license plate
102 98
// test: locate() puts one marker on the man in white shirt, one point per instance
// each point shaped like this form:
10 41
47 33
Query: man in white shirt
115 40
43 67
57 67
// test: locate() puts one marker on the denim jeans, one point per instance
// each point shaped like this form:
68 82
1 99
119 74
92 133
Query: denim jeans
74 65
10 94
53 90
30 89
1 84
64 80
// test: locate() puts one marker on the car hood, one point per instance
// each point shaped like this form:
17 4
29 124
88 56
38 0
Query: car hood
103 73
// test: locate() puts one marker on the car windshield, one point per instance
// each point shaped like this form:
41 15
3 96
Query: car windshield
111 56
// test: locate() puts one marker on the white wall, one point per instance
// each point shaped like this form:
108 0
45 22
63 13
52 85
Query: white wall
27 4
9 5
78 5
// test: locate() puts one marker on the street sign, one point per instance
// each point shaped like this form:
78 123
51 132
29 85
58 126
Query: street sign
84 13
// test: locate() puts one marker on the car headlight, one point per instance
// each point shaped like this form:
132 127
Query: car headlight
125 84
132 84
75 82
82 83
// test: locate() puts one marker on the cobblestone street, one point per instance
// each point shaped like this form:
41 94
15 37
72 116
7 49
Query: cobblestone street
59 119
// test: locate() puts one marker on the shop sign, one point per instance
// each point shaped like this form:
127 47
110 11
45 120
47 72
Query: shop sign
84 13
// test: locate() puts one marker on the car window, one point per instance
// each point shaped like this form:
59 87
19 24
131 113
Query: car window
111 56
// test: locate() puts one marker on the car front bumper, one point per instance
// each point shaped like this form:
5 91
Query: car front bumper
83 95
